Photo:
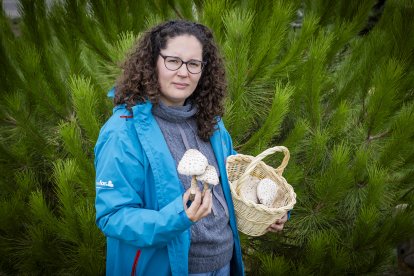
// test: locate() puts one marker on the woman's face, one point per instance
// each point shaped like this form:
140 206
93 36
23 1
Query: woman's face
177 86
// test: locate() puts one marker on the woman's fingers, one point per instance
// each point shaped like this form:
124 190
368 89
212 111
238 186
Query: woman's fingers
205 206
275 227
278 225
195 204
200 207
282 220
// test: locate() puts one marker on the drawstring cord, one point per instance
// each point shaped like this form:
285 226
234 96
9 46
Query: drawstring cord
134 266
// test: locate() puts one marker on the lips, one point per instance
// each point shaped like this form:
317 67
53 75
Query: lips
180 85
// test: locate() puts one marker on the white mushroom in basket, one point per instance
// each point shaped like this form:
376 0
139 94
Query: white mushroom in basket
266 192
192 163
249 190
210 176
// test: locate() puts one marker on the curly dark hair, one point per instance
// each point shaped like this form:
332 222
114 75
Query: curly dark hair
139 81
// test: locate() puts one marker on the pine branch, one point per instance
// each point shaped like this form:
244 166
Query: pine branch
271 127
378 136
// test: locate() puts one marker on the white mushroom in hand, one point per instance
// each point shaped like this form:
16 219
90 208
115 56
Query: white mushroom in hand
266 192
249 190
210 176
192 163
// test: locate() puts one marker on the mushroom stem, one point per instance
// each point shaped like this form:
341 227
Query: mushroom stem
206 187
193 188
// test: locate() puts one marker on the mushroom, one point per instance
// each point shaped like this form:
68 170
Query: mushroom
192 163
210 176
266 192
249 190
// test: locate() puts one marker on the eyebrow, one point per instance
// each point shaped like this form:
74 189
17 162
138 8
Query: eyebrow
181 58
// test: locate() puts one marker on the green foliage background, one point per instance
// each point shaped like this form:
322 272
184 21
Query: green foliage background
301 74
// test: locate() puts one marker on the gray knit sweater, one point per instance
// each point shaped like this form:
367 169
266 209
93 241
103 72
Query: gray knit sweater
211 237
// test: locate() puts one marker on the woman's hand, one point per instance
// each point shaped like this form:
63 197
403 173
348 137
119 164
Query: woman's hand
200 207
278 225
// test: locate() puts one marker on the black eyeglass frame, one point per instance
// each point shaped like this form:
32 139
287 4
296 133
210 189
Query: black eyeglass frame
203 63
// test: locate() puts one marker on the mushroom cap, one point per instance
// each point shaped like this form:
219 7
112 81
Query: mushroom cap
193 162
209 176
267 191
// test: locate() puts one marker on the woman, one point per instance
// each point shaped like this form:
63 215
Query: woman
168 100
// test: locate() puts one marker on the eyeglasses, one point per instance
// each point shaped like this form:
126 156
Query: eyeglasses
175 63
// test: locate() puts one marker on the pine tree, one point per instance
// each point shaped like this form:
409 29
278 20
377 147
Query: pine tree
316 76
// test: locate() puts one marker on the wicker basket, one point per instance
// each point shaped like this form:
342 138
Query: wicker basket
253 219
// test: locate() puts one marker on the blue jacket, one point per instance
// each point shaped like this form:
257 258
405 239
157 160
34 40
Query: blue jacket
139 204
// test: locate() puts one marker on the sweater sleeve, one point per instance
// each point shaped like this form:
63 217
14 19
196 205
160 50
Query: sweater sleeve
120 212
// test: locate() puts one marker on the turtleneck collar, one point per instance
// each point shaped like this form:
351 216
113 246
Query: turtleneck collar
174 113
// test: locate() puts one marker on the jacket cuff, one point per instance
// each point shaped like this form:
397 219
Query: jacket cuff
184 222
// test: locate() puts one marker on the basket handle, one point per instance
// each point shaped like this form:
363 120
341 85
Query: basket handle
258 158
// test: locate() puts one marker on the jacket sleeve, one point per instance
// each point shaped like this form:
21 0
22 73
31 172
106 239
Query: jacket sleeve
120 212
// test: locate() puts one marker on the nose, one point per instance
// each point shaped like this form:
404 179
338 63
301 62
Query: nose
183 72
